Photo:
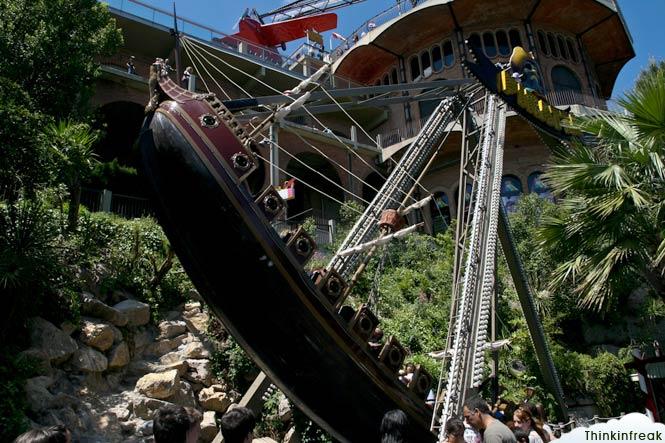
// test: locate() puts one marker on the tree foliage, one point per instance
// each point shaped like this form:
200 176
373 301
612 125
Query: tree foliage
50 47
25 163
612 239
71 145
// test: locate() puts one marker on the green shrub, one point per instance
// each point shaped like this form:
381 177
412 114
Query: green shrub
269 423
34 277
231 363
309 431
133 255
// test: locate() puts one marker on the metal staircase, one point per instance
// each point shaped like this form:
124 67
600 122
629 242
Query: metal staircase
392 194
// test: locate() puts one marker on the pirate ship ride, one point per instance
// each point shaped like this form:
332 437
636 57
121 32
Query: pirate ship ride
197 157
294 324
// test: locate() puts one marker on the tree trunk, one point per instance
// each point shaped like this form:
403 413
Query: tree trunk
74 204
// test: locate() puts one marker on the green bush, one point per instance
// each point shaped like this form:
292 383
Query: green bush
269 423
133 254
232 364
34 277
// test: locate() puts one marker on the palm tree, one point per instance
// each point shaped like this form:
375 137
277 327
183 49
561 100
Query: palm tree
72 145
613 191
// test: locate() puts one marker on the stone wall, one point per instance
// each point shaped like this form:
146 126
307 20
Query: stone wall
105 376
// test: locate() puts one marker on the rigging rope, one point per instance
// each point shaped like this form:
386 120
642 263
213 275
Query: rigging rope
314 170
272 88
198 73
298 135
310 186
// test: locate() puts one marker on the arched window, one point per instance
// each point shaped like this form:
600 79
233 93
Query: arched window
448 54
372 185
440 211
511 190
502 42
515 38
563 79
571 50
475 41
552 41
415 68
393 76
537 186
437 60
386 80
490 44
425 62
542 42
562 47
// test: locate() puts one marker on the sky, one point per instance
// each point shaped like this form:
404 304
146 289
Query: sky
645 19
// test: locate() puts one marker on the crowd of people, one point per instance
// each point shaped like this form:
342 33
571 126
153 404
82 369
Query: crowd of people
479 424
171 424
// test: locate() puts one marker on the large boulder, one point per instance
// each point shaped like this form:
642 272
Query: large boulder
208 427
96 334
170 329
92 307
165 346
141 367
184 395
138 314
145 407
197 321
141 339
170 358
159 385
87 360
118 356
215 399
195 349
37 394
199 371
45 336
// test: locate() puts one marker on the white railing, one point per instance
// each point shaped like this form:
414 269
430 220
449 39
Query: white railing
127 206
293 64
382 17
570 97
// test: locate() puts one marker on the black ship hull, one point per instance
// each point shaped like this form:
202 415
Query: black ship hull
260 292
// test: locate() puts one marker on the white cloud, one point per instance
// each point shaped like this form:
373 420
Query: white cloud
631 428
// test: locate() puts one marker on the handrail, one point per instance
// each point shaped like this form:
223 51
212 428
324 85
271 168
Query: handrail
218 38
572 97
382 17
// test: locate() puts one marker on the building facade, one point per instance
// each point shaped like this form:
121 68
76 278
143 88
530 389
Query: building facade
580 46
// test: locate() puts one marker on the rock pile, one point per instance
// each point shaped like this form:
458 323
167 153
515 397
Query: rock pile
105 377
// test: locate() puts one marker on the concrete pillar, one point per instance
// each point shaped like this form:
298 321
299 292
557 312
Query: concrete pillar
106 200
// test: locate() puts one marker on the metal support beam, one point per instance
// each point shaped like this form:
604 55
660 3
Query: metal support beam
550 375
275 179
240 104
